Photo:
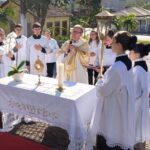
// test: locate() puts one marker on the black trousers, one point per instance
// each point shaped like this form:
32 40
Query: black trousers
51 69
92 73
101 144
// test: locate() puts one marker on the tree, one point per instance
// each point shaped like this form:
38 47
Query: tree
39 9
129 22
6 17
139 3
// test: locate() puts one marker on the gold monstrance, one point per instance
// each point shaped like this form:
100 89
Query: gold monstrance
39 66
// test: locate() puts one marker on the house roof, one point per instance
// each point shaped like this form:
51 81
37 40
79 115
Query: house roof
104 14
139 12
55 11
3 3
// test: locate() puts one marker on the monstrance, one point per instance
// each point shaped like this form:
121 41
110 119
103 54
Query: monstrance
39 67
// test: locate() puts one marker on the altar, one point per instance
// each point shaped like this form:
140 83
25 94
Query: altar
71 109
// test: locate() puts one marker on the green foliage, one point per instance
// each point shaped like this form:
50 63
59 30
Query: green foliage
6 14
17 69
129 22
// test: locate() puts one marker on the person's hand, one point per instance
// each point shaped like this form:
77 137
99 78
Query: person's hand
1 57
98 69
38 47
92 54
18 46
10 54
28 68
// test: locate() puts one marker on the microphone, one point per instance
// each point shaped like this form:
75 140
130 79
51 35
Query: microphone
66 54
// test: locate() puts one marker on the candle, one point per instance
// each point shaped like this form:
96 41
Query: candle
60 74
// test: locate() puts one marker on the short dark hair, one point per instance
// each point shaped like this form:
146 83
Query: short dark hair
110 33
127 40
36 25
18 26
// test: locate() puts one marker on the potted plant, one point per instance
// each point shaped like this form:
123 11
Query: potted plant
17 72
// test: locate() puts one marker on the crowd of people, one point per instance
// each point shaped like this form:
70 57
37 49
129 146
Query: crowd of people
121 119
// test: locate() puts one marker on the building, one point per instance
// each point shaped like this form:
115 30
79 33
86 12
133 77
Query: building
58 20
142 15
115 5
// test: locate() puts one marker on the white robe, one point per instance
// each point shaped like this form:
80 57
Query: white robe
109 57
21 54
141 81
6 63
80 72
32 53
114 115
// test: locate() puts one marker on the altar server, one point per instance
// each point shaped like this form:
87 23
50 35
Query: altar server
6 56
37 47
20 47
114 116
141 83
109 56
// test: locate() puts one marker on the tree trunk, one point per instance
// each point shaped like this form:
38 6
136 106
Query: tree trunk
23 19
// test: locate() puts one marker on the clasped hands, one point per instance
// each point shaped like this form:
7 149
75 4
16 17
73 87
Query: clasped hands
38 47
10 54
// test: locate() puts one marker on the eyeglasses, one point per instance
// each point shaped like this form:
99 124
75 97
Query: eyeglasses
92 34
76 32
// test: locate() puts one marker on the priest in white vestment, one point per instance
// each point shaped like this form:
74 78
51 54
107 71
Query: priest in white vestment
76 56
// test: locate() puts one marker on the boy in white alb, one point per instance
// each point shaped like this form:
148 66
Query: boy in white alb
108 56
37 47
20 47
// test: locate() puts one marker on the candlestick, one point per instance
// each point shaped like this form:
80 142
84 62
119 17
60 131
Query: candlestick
60 75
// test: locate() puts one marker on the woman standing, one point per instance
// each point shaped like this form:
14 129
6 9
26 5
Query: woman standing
114 116
141 83
94 48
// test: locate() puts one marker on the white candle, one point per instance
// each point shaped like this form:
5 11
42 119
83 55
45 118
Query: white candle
60 74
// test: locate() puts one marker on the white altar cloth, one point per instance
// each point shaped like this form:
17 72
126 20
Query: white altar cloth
72 109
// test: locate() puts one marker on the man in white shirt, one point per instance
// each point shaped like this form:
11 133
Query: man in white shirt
37 47
20 47
51 56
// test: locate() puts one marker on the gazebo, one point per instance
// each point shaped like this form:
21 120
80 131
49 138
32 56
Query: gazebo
104 19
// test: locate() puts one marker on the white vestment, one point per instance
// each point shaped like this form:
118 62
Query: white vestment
33 54
141 81
6 63
114 116
21 53
80 72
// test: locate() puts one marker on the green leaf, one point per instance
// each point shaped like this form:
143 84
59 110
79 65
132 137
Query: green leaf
10 73
20 65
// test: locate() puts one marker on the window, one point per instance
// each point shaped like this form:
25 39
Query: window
49 24
57 28
64 28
